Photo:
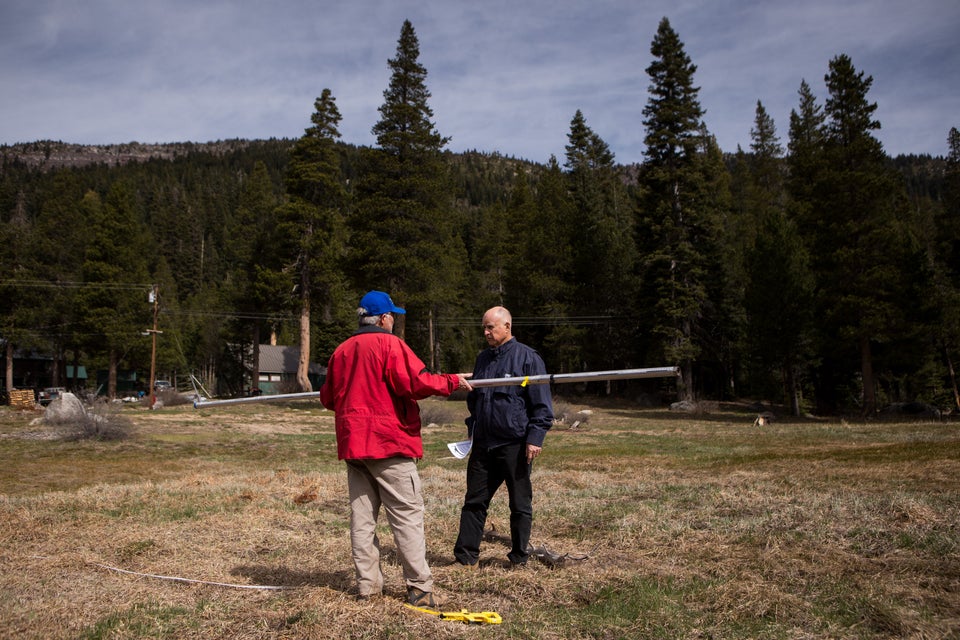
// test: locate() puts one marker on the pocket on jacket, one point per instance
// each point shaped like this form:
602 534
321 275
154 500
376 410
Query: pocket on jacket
512 415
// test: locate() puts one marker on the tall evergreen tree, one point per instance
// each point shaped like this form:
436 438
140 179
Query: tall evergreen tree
604 253
807 168
115 274
554 232
19 268
720 328
253 292
779 288
63 233
867 257
493 254
945 259
671 227
405 228
312 222
806 161
768 176
542 271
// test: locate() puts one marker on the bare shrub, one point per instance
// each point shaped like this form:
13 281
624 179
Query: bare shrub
562 411
170 398
567 414
436 412
101 421
288 386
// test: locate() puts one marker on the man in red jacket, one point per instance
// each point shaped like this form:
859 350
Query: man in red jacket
373 383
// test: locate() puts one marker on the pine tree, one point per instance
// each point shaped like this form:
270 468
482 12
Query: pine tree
807 168
312 222
945 258
671 227
767 171
19 267
554 233
721 323
779 290
251 260
806 162
116 310
493 255
405 227
63 231
867 253
604 253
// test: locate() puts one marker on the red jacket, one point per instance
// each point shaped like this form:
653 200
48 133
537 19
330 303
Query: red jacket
373 383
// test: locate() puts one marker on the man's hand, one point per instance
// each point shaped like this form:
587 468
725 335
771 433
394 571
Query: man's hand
532 452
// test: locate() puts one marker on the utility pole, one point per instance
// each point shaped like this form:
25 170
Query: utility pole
154 297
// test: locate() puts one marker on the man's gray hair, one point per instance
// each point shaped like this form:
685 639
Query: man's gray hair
363 319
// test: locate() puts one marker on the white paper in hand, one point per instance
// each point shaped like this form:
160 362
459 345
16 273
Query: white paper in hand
460 449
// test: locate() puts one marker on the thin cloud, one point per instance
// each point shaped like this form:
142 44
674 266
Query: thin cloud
505 76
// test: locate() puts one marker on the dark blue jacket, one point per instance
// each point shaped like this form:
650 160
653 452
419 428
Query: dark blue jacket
509 414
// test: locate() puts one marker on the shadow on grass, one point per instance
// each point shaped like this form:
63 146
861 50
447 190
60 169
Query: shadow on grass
340 580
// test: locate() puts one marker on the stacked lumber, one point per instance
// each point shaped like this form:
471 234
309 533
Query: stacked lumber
22 399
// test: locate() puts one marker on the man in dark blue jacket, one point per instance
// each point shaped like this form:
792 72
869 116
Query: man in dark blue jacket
507 425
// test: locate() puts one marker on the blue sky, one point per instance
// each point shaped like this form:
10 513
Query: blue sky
505 76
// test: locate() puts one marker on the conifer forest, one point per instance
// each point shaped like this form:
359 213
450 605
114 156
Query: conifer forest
811 270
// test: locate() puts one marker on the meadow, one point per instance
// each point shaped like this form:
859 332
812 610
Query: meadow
232 522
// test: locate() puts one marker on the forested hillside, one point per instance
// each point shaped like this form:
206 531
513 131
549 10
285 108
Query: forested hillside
811 269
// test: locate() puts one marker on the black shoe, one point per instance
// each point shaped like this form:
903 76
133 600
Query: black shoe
419 598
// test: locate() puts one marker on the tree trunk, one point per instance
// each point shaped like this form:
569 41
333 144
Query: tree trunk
685 382
866 371
75 382
433 365
112 376
56 380
303 366
9 371
793 391
953 380
255 365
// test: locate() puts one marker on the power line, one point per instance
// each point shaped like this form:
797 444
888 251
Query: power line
534 321
51 284
240 315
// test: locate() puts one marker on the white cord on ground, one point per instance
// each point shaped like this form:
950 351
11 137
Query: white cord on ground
177 579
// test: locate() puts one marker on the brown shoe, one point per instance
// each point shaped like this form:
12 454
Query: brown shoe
419 598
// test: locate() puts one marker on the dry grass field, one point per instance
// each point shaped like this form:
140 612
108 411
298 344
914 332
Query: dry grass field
677 526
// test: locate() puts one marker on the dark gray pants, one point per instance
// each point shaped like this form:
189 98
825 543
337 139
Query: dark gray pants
487 469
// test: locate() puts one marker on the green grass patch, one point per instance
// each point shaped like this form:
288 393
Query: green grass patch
641 607
148 620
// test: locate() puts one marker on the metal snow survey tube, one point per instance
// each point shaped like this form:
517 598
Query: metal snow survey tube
522 381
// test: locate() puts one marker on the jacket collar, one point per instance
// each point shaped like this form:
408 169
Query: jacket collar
504 348
370 328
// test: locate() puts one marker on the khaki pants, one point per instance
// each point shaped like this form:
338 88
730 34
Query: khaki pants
394 483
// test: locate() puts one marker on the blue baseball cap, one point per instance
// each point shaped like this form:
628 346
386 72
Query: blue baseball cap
376 303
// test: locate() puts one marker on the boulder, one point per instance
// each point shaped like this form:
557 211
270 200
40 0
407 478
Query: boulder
684 405
63 408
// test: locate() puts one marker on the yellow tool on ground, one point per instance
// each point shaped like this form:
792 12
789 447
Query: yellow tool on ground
464 616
